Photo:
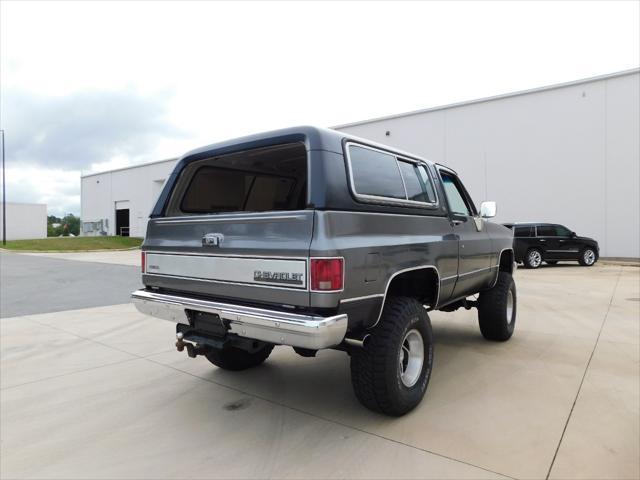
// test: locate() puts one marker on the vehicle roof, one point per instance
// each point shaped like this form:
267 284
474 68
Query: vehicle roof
333 191
315 138
528 224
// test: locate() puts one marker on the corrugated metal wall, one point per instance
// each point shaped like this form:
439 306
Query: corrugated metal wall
569 155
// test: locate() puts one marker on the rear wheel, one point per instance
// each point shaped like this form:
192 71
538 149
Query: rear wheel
497 309
235 359
533 258
588 257
391 372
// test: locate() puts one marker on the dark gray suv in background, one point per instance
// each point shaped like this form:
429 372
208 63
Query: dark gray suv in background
315 239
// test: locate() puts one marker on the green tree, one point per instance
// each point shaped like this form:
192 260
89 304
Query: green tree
51 230
70 224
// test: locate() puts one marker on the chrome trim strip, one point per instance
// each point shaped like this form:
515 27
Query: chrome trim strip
229 269
229 255
357 212
564 251
448 278
225 282
219 219
477 271
282 328
364 297
498 265
386 289
389 200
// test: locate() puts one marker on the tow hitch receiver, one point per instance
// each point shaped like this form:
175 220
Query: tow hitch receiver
193 350
199 342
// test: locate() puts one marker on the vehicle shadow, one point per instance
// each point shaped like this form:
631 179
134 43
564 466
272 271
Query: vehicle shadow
557 265
322 385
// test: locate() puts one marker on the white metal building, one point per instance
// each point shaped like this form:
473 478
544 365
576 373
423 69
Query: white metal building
566 154
25 221
118 202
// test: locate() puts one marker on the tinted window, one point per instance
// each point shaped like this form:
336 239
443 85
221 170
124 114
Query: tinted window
454 195
546 231
375 173
426 180
270 178
416 180
562 231
522 232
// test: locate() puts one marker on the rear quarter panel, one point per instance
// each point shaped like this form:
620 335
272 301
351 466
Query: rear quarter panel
376 246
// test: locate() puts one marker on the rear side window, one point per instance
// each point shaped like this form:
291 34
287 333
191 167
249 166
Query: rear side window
265 179
417 182
522 232
375 173
546 231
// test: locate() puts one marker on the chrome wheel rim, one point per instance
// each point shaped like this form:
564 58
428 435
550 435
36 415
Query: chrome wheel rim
411 358
509 306
589 257
535 259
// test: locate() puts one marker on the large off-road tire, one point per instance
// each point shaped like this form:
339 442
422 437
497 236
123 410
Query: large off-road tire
588 257
231 358
533 258
391 372
497 309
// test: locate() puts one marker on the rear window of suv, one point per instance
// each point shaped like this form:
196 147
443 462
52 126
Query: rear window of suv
523 232
264 179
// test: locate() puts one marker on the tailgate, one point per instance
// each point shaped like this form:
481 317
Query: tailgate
253 257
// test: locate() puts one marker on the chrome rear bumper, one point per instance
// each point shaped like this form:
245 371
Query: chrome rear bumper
283 328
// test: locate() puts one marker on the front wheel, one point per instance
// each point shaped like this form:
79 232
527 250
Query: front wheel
391 372
588 257
497 309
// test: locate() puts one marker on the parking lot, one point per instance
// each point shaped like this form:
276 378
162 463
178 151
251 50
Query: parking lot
90 388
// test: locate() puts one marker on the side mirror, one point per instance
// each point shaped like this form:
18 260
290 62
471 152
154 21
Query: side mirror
488 209
573 234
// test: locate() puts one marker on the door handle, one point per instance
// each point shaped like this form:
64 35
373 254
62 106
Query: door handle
542 240
456 222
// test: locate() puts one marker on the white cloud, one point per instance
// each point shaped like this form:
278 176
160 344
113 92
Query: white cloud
59 189
239 67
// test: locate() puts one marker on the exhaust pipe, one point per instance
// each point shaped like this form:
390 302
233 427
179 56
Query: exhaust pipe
357 342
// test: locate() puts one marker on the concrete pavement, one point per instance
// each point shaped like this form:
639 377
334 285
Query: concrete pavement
101 393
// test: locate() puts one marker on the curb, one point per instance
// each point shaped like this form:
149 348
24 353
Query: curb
69 251
619 262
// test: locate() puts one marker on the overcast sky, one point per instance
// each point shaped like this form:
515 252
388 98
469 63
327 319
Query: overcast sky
92 86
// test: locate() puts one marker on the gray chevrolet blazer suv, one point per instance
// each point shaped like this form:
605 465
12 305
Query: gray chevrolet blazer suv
316 239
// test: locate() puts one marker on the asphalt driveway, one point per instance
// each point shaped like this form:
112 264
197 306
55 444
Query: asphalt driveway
39 284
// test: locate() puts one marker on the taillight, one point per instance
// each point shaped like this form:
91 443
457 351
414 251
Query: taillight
143 261
327 274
